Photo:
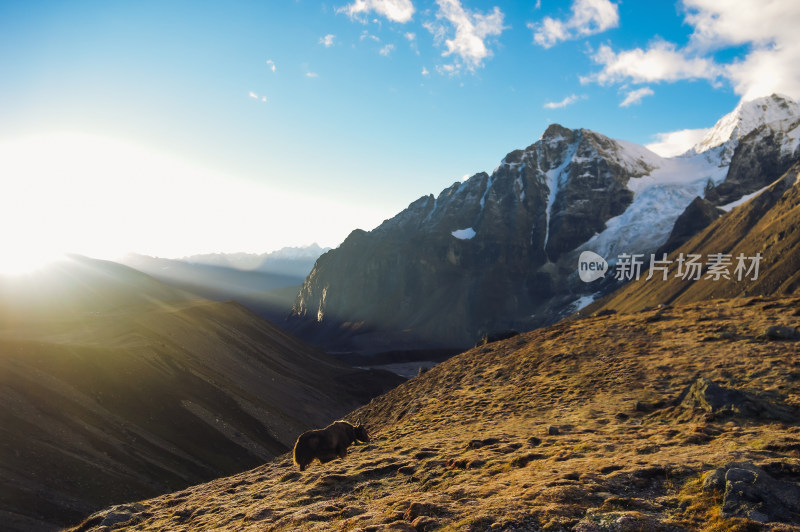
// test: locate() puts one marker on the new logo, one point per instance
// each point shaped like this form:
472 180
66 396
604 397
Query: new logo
591 266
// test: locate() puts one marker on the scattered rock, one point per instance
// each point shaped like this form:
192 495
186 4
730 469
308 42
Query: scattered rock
705 395
782 332
534 441
751 492
552 430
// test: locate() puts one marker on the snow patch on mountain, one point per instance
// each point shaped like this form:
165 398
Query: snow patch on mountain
659 198
743 199
553 180
464 234
746 117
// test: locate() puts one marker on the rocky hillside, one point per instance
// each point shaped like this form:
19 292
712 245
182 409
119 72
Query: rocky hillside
499 250
115 387
679 418
767 227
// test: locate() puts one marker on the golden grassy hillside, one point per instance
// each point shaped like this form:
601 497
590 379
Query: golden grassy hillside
115 387
679 418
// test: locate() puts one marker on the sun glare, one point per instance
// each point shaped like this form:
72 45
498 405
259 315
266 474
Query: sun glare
23 262
95 196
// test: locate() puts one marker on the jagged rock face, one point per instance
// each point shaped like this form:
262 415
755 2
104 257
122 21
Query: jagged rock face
697 216
482 253
499 251
760 158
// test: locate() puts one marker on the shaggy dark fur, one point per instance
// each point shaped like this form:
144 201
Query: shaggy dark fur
327 444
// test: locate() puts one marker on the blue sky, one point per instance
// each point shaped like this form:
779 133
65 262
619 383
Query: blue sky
286 122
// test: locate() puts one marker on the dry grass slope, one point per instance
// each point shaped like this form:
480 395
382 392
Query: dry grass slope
122 388
581 426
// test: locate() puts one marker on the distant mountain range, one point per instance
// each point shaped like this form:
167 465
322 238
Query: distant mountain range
265 283
115 386
500 250
289 261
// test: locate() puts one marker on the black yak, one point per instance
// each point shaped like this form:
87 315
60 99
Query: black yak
327 444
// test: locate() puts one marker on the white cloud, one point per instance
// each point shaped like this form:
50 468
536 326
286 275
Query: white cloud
758 22
768 27
675 143
660 62
386 50
563 103
634 97
312 75
367 35
468 45
767 71
255 96
410 36
395 10
588 17
271 64
765 29
425 71
328 40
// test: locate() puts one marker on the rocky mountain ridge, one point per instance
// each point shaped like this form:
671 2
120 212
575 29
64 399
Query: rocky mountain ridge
499 250
766 228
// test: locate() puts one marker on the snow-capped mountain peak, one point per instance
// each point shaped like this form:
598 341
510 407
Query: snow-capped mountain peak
746 117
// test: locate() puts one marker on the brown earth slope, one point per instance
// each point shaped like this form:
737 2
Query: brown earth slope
681 418
768 224
115 387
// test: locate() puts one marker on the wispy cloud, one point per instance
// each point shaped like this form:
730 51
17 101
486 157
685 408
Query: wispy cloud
425 71
677 142
271 65
635 96
312 75
394 10
588 17
367 35
328 40
386 50
471 30
569 100
255 96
